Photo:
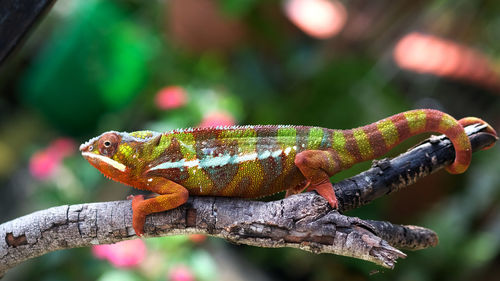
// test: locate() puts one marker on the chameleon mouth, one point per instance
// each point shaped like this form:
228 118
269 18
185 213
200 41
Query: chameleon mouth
109 161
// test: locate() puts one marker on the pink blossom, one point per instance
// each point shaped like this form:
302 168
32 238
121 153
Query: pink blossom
43 163
217 119
171 97
129 253
318 18
62 147
180 273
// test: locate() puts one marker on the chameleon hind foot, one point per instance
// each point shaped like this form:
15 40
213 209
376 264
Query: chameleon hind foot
325 189
317 166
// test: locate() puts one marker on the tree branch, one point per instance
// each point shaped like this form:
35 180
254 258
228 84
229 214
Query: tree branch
302 221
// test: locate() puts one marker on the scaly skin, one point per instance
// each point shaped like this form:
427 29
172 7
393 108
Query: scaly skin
255 161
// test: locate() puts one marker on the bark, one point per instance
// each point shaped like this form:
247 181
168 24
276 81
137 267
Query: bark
303 221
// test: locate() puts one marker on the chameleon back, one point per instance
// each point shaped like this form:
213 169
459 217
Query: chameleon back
246 161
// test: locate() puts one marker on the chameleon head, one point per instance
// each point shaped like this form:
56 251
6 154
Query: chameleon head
101 152
118 155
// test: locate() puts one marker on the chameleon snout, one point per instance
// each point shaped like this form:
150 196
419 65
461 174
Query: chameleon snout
83 147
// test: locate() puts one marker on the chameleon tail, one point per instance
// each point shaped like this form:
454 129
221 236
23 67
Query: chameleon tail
474 120
376 139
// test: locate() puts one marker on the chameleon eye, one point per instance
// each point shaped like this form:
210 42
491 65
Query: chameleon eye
108 143
91 148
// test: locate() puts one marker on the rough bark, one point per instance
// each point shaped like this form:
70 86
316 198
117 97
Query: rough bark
302 221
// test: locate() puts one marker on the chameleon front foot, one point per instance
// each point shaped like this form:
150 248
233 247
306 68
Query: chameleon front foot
172 195
138 217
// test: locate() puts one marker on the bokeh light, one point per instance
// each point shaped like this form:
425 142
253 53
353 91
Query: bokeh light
217 118
124 254
318 18
180 273
197 238
430 54
43 163
171 97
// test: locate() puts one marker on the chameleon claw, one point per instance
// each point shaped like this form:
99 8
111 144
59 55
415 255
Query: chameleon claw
325 189
138 224
334 203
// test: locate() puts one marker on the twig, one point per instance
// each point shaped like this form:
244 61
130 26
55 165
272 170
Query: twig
302 221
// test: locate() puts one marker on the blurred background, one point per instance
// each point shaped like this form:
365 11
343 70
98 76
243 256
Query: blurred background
92 66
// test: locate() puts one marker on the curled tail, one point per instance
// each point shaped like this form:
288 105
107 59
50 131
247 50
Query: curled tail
376 139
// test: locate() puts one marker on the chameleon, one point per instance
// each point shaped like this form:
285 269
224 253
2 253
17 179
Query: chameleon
256 161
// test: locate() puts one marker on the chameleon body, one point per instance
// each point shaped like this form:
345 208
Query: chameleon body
255 161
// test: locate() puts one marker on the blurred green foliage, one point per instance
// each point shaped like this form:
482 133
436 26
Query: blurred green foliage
92 66
95 63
